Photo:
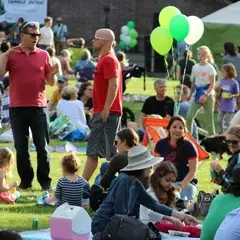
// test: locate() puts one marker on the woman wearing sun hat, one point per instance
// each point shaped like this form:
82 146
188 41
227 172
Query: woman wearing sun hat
126 191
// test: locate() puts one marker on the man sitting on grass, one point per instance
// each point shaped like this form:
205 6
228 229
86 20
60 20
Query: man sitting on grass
160 104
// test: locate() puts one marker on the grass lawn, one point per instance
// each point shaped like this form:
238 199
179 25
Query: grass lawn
19 216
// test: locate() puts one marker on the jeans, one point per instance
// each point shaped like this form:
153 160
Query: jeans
224 119
208 114
188 192
35 118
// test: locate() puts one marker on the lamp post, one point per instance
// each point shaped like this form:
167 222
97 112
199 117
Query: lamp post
106 11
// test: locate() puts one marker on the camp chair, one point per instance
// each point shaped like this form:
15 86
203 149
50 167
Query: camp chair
153 125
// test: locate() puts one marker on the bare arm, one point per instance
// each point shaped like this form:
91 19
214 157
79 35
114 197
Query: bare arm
112 92
193 164
3 185
51 79
212 84
141 120
3 64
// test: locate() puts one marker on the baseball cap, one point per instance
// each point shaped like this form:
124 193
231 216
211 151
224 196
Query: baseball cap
62 79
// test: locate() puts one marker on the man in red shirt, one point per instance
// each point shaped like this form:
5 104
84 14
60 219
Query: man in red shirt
107 102
29 70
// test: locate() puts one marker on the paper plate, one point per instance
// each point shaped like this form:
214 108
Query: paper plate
178 233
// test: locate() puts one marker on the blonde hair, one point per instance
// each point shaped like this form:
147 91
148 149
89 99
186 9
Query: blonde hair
6 160
68 92
206 50
70 163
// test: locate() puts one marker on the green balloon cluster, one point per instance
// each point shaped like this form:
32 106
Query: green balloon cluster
128 37
173 24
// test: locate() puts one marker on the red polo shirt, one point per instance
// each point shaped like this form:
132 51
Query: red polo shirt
108 67
27 74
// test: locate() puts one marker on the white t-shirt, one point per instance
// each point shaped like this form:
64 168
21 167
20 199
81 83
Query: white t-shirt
74 110
147 215
46 36
201 74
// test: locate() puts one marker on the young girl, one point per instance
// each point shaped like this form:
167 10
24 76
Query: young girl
182 153
219 175
203 81
228 98
6 163
163 191
71 186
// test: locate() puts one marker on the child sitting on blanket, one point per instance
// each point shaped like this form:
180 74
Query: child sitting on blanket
8 193
71 186
162 190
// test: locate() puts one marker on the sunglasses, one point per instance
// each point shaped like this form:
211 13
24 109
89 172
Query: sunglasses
232 142
33 35
115 143
99 38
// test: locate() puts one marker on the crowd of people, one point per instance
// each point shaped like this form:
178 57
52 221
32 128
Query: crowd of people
138 182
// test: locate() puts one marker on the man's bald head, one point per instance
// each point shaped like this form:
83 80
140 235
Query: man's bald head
105 34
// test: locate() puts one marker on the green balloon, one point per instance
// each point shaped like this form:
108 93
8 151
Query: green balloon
133 43
122 45
161 40
166 15
131 24
133 33
179 27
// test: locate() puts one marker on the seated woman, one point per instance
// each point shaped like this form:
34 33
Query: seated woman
182 153
221 206
125 140
85 67
72 108
85 96
219 175
126 191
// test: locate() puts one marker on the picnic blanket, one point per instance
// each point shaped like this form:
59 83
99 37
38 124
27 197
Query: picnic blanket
68 147
45 235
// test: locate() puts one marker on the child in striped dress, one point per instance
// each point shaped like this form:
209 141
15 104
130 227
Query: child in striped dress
71 186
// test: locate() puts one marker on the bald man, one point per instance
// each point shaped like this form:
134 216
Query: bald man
107 102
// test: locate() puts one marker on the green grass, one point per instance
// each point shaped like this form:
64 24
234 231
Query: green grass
19 216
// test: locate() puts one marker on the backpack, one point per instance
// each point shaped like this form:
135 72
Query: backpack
97 196
204 200
123 227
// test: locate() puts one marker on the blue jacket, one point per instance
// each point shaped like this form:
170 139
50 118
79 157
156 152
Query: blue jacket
200 91
123 195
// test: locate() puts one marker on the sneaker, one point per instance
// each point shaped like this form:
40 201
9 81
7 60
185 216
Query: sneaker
24 186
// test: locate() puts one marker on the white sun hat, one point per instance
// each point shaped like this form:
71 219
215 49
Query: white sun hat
140 158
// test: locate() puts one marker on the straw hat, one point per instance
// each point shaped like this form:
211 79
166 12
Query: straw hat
140 158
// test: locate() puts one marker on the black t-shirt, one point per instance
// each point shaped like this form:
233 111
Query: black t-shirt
89 104
190 64
162 108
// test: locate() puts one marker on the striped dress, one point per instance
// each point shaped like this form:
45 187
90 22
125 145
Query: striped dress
70 192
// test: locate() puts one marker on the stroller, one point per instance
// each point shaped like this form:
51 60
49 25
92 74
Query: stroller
127 73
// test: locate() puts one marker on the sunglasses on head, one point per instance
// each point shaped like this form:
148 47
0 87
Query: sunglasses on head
33 35
232 142
99 38
31 24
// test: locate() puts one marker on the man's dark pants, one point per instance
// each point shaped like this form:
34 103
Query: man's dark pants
35 118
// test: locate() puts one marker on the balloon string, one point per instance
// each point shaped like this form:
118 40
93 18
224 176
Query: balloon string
166 65
173 64
184 73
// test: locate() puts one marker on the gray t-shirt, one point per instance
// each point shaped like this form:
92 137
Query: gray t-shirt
235 60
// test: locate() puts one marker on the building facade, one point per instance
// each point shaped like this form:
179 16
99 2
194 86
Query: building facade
84 17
